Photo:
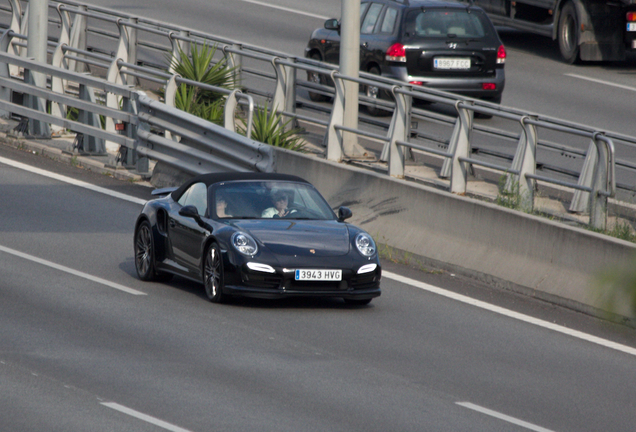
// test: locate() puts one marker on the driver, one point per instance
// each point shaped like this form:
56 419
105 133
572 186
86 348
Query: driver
279 210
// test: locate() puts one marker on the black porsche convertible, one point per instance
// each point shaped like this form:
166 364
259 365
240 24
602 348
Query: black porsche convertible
258 235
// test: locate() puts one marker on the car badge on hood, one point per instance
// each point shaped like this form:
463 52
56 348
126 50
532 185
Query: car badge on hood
313 251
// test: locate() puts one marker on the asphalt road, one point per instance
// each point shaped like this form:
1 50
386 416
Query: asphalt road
87 346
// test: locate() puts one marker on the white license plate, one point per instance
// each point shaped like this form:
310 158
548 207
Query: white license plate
452 63
319 275
631 26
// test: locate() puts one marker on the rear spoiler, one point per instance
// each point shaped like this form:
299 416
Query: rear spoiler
164 191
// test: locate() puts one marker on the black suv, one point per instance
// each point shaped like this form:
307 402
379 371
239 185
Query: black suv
443 45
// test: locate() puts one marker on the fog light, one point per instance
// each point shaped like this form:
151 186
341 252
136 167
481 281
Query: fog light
367 268
260 267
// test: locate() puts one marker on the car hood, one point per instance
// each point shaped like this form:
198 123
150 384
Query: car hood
299 237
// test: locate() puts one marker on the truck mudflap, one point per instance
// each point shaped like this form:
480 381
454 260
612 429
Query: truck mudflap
602 32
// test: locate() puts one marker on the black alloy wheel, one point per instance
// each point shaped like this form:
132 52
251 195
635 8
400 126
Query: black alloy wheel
568 33
213 274
144 253
316 78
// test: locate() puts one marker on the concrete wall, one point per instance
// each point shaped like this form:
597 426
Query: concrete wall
512 249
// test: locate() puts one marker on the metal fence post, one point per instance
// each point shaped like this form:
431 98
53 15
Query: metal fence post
5 72
600 184
280 97
445 172
528 165
290 94
143 163
581 199
92 145
37 128
132 48
169 99
78 38
15 26
459 170
400 126
127 156
334 136
235 61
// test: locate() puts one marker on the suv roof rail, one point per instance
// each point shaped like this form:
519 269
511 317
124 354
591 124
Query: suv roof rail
404 2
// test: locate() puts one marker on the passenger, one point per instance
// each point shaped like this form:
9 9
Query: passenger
280 200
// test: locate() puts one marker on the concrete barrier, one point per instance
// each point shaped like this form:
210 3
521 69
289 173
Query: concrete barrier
511 249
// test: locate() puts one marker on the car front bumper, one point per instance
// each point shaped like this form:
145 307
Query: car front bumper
282 284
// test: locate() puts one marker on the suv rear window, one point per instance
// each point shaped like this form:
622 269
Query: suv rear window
445 23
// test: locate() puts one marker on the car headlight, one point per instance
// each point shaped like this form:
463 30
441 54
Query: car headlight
244 243
365 244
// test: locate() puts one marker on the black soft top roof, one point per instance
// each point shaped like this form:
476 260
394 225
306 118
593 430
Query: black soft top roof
212 178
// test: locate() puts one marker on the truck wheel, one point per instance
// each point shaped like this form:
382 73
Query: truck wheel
568 33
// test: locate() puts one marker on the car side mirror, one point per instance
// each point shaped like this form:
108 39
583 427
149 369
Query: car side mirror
344 213
189 211
332 24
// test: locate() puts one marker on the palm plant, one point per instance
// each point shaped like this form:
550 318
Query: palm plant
270 129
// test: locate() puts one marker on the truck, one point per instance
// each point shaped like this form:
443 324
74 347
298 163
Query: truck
586 30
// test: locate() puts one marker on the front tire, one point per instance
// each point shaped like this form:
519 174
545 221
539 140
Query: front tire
213 279
568 33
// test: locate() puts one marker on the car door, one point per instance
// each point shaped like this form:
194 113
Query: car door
186 235
368 31
384 35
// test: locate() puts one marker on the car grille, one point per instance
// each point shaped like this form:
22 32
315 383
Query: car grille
268 281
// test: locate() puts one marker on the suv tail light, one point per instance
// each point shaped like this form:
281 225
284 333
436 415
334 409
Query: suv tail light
396 53
501 55
631 16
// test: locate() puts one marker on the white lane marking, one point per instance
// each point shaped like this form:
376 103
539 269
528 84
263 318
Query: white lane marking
598 81
72 181
286 9
503 417
518 316
144 417
71 271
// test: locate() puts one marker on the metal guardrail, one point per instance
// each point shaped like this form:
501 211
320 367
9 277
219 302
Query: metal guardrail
124 65
203 147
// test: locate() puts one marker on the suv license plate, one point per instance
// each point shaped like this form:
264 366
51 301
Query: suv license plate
319 275
452 63
631 26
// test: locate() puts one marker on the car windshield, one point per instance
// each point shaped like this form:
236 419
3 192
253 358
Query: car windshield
267 200
445 23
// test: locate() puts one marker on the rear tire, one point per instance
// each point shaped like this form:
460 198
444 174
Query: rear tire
568 33
145 255
374 93
316 78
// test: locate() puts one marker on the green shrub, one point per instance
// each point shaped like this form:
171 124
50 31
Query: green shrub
270 129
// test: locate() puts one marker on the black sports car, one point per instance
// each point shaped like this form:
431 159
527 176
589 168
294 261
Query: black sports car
257 235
